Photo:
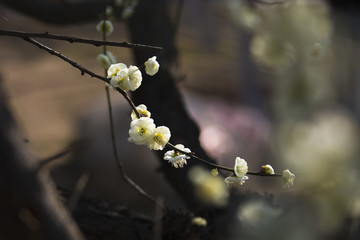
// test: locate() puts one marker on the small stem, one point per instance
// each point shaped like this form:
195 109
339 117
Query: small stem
131 103
116 155
191 154
96 43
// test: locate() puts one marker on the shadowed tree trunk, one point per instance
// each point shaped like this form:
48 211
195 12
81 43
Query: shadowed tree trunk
152 25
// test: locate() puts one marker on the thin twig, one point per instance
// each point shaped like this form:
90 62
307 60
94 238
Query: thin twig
82 70
116 155
191 154
79 188
47 160
66 59
112 131
131 103
71 39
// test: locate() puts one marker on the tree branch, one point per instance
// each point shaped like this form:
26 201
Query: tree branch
71 39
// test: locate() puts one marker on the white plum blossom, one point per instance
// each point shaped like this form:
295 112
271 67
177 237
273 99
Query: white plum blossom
288 179
151 66
141 130
121 80
135 78
114 69
124 77
177 159
142 109
267 169
107 29
240 170
240 167
159 138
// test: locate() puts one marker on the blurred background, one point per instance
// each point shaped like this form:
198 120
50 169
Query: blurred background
275 82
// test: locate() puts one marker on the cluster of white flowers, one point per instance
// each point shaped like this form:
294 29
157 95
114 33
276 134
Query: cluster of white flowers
126 78
240 170
177 159
130 78
105 60
143 131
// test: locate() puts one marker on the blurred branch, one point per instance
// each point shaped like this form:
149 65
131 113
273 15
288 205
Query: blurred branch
28 199
70 39
71 148
270 2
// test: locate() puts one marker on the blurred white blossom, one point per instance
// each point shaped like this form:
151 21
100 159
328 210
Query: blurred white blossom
105 26
199 221
234 180
111 57
208 188
105 60
258 214
288 179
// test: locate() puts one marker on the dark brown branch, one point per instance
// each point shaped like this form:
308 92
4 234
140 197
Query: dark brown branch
66 59
70 39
